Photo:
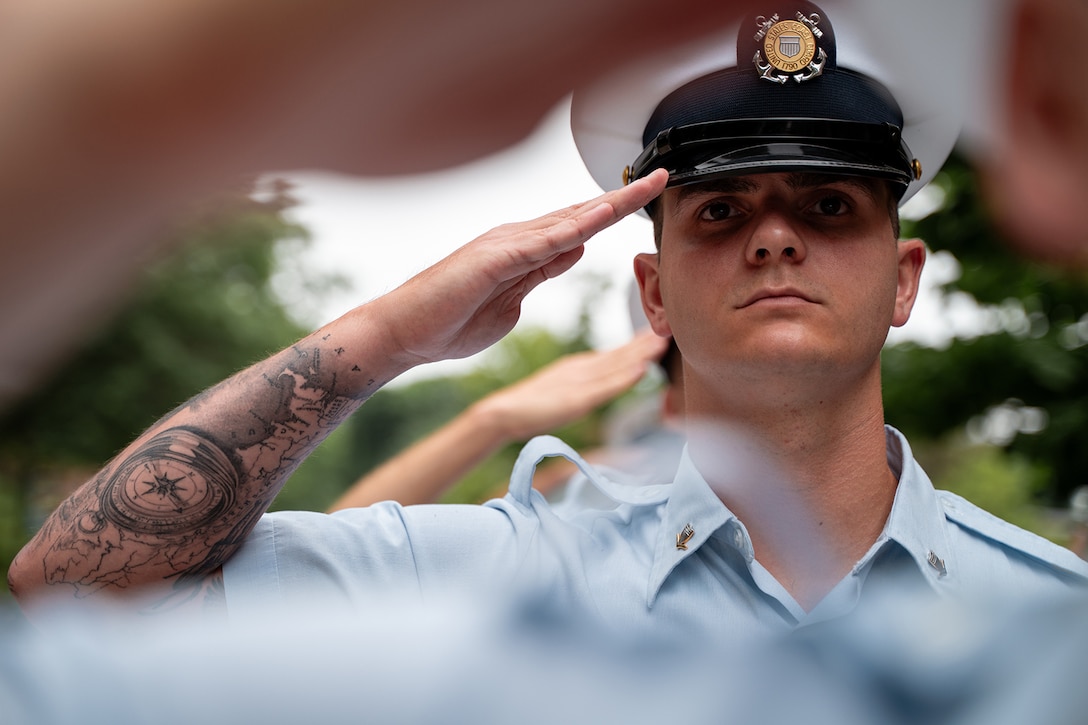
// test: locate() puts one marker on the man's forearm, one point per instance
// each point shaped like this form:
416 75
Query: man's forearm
179 501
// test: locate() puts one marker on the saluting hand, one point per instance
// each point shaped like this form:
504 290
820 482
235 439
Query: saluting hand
473 298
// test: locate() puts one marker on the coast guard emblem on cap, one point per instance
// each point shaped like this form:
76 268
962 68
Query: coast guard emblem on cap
789 46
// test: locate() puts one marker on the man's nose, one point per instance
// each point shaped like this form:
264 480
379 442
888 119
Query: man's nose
774 239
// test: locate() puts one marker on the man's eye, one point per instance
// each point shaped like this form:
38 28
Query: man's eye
717 211
831 206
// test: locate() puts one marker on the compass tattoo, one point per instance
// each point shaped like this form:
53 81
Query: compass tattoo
177 482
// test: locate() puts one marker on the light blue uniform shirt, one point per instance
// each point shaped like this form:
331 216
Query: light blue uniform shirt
624 564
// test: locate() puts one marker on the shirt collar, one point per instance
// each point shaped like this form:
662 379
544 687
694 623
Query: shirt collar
916 522
692 514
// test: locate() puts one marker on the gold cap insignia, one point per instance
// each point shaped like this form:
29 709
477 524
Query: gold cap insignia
789 48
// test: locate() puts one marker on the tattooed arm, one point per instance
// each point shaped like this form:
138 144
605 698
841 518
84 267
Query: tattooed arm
157 523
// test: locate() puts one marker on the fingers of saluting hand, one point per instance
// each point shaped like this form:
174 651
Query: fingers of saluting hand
536 244
515 258
473 297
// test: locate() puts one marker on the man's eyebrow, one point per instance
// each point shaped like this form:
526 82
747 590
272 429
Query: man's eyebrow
724 185
807 180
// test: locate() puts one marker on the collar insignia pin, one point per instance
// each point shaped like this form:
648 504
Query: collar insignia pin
937 563
789 46
684 537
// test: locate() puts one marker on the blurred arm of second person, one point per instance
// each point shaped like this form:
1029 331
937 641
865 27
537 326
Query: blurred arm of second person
1027 128
560 393
119 114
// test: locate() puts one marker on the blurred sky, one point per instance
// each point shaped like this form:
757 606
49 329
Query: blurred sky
380 231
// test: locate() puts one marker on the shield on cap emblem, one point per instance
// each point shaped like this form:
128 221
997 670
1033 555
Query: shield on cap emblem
789 45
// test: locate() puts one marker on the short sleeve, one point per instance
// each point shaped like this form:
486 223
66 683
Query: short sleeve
362 556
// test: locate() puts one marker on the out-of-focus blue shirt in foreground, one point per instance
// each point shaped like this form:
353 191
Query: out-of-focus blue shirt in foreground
957 619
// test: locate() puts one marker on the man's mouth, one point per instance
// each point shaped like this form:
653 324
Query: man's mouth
775 294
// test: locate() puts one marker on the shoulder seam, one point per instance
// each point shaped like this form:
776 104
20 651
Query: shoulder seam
980 521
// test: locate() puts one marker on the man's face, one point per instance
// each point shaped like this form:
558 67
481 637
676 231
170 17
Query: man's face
779 273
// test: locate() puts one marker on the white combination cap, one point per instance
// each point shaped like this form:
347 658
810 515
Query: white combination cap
849 86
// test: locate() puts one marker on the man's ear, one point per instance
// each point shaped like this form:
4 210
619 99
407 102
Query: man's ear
649 285
912 257
1038 181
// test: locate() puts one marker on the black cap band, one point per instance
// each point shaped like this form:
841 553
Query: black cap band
703 151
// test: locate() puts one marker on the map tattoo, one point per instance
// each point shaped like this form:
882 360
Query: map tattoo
171 512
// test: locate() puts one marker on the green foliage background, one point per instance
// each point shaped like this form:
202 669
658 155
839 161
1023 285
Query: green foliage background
197 316
1032 358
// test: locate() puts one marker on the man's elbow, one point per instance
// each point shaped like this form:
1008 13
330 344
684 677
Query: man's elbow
17 577
25 581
